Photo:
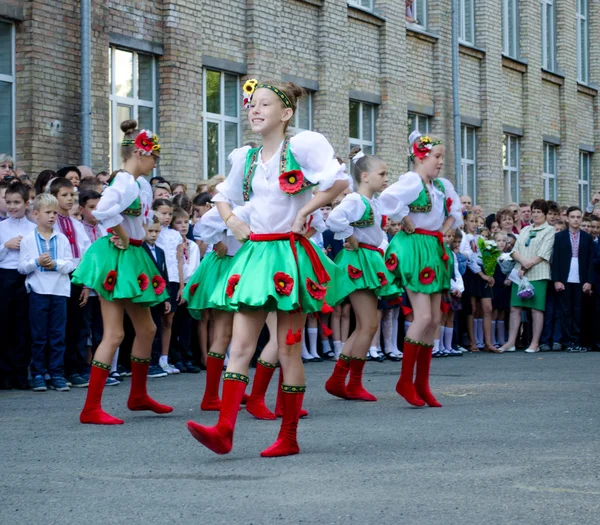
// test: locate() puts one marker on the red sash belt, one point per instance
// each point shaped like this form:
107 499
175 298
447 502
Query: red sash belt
133 242
439 236
370 247
308 246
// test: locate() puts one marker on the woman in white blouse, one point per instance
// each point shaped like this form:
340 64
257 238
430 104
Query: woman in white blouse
124 275
278 268
429 207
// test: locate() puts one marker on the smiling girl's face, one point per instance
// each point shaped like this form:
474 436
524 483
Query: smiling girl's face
267 113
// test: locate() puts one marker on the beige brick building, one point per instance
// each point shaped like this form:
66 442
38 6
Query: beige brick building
528 98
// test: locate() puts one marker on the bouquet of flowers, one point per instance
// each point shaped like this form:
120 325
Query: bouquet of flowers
489 255
526 290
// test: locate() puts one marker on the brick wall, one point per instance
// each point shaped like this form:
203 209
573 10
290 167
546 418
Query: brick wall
343 49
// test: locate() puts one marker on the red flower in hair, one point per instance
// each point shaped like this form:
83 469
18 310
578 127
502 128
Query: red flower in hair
159 284
391 262
232 284
193 289
144 142
110 281
354 273
315 290
143 281
382 279
283 283
291 181
427 275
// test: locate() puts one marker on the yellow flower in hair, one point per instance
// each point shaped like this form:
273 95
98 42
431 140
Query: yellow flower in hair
250 86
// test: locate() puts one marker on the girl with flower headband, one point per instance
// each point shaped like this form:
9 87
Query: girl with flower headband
277 268
124 275
429 206
358 220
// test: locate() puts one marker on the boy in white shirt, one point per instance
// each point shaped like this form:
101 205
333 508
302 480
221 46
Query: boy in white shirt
46 259
14 302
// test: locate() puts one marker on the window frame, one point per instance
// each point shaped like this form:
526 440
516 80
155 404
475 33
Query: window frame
360 141
423 3
583 54
509 170
294 125
462 14
547 175
548 63
506 23
465 162
220 119
583 184
133 102
12 79
358 3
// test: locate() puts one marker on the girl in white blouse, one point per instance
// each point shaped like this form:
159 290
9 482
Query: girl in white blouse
124 275
429 207
278 268
358 220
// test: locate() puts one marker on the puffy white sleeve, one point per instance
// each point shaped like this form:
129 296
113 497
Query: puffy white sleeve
231 189
115 199
351 209
317 159
210 228
395 200
317 222
455 207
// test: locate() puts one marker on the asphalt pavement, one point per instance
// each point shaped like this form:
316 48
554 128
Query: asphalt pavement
517 441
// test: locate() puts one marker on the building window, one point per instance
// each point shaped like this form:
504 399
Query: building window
548 35
365 4
132 95
468 159
362 126
584 178
7 88
466 21
510 28
421 123
510 160
221 119
549 175
418 12
583 44
303 118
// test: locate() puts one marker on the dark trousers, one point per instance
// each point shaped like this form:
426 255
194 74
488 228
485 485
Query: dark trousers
181 336
14 326
570 310
48 314
157 313
76 355
552 331
91 325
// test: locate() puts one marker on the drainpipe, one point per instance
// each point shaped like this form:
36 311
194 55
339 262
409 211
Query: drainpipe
86 84
456 98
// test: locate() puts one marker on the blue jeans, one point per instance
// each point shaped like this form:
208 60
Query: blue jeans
48 318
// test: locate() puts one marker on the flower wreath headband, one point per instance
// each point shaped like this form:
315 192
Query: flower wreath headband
250 86
421 146
146 141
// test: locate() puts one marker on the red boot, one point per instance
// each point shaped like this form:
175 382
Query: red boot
219 438
214 371
405 386
422 379
355 389
256 402
92 412
279 402
138 395
336 384
286 443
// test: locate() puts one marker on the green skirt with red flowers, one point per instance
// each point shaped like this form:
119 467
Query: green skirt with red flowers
121 274
367 269
271 275
206 288
417 262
